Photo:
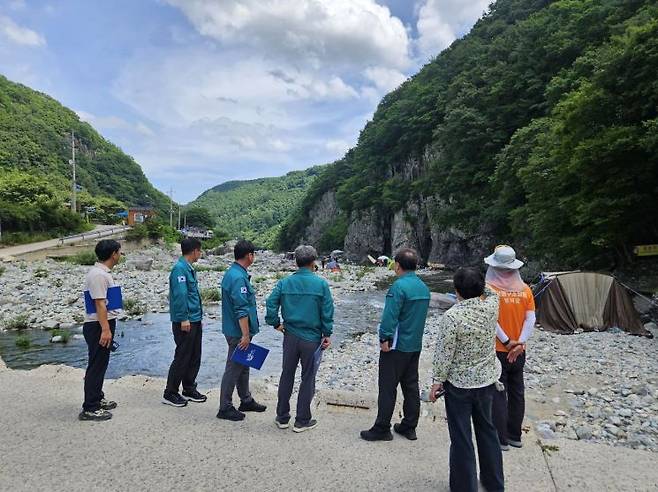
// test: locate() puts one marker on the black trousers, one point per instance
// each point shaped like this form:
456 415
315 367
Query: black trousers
509 405
462 406
99 358
187 358
398 368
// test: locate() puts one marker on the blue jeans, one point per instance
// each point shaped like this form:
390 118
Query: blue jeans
462 405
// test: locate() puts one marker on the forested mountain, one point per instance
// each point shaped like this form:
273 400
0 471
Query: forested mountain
539 127
35 176
256 209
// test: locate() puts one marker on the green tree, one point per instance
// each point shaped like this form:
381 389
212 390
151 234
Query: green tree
198 217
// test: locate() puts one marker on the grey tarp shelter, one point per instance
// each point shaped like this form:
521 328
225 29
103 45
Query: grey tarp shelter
570 301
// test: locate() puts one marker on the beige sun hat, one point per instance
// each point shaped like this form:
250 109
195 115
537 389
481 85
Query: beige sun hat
504 257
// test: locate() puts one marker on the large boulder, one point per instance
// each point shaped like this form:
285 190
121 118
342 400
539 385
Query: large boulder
224 249
50 324
143 264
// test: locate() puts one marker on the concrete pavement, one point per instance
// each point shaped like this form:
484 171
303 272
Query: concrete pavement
150 446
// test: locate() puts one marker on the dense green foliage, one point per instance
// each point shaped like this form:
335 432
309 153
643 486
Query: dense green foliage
35 148
198 217
256 209
31 204
540 125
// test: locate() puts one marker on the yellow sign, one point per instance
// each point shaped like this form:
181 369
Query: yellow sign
646 250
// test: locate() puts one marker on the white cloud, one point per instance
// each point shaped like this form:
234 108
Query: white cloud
115 123
385 79
319 32
19 34
337 146
440 22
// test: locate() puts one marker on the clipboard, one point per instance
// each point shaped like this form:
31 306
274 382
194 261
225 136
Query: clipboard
254 356
114 300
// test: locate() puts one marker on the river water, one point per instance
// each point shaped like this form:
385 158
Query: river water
147 347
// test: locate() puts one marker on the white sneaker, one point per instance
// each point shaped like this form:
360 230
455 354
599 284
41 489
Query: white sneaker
304 427
282 425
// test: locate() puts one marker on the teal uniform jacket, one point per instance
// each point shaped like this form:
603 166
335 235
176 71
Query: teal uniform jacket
403 319
184 297
238 301
306 306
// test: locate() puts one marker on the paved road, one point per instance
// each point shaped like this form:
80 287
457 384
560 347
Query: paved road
99 231
150 446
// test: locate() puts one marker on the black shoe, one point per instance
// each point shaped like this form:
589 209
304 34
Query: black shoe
373 435
96 415
108 404
174 399
282 423
194 396
311 424
408 433
230 414
252 406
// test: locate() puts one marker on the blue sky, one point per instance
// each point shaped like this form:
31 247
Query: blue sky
204 91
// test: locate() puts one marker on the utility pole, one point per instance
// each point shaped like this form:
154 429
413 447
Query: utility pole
74 207
171 207
179 217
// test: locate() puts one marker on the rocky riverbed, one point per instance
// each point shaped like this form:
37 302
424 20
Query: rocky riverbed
600 387
48 293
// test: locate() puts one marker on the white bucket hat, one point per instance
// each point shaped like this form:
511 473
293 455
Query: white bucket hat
504 257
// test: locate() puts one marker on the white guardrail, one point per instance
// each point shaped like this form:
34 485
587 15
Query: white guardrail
93 234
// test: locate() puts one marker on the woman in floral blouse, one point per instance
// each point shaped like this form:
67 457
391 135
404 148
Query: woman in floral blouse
466 368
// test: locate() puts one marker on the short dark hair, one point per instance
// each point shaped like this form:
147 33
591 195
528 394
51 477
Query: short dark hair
407 258
189 244
243 248
106 248
469 282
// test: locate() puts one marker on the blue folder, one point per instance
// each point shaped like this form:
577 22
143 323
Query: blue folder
253 356
114 300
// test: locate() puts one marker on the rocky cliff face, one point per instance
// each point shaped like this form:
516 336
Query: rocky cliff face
322 215
375 232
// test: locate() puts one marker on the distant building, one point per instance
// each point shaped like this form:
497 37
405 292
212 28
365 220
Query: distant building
137 215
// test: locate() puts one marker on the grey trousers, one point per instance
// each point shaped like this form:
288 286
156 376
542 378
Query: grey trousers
234 375
295 350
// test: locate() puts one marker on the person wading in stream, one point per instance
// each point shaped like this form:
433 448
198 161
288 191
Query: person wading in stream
401 340
186 315
98 330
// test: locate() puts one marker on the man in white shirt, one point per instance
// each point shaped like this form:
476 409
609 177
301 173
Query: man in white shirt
98 331
466 368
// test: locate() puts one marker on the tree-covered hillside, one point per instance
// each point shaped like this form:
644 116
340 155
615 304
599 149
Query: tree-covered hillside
539 127
256 209
35 148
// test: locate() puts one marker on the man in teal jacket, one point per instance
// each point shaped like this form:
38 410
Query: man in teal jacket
239 325
308 316
401 340
186 315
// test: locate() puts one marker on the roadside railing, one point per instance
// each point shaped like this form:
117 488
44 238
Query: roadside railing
93 234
